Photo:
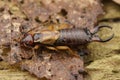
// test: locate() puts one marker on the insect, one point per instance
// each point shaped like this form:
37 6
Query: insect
62 39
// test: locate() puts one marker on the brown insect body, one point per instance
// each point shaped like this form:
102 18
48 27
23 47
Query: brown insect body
64 37
73 37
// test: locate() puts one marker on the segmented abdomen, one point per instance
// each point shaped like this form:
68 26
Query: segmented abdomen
73 36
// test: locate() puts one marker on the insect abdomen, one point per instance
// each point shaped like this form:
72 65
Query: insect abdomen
74 36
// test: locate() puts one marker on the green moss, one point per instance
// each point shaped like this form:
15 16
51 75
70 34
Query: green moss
106 56
112 10
105 69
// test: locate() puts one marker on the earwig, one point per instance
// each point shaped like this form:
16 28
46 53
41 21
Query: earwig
65 37
62 39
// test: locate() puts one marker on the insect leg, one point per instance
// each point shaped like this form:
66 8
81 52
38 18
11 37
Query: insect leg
57 48
36 47
52 48
71 52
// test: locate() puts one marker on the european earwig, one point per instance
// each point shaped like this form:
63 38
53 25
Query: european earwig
64 37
